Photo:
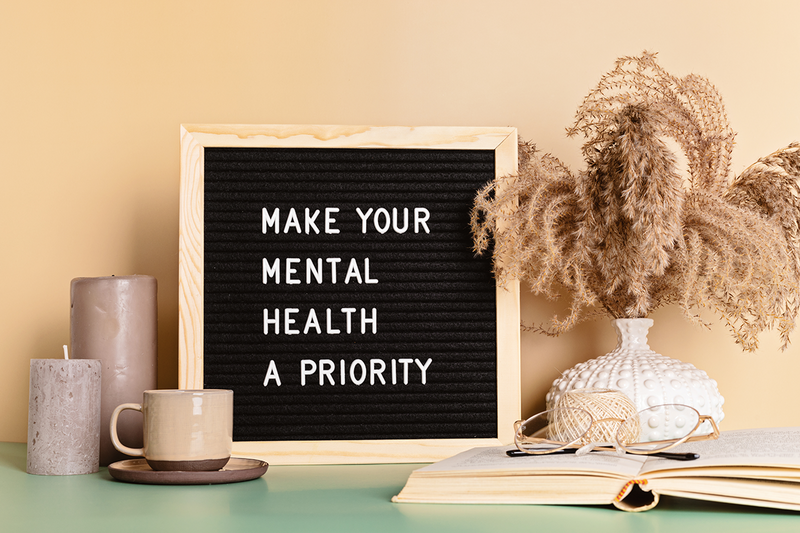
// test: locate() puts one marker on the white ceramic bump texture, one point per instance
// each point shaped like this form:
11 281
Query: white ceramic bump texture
648 378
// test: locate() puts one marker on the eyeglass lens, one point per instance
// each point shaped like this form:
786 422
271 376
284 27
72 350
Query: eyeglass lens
553 429
659 427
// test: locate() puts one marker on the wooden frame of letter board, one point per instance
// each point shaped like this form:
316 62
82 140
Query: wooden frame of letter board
194 140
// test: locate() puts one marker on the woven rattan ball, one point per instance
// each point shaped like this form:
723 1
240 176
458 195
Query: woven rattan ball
607 407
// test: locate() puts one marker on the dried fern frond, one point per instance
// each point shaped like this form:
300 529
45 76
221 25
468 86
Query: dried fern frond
532 217
770 187
737 264
689 110
625 236
629 223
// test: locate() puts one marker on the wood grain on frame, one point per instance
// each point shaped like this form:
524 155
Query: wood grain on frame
194 140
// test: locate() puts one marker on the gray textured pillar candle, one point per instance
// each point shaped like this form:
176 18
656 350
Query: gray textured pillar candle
64 417
115 319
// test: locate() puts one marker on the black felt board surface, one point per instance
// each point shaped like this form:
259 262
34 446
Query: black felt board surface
429 303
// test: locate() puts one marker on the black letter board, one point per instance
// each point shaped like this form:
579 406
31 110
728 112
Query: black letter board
342 302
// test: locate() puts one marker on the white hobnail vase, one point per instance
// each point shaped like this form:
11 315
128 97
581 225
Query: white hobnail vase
646 377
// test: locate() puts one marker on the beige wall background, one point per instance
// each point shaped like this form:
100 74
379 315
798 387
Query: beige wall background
92 94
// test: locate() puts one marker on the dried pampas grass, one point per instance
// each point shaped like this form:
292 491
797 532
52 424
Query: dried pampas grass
630 233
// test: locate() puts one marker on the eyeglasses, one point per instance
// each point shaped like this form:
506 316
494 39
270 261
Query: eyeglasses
569 429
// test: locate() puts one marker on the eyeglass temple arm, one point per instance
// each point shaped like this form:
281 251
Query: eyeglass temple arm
664 455
714 430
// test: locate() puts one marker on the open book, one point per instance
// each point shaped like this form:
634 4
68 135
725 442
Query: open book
759 467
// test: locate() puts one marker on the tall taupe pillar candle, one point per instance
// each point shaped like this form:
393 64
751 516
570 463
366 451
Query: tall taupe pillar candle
64 417
115 319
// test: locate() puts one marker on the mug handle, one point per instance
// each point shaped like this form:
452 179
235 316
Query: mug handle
115 438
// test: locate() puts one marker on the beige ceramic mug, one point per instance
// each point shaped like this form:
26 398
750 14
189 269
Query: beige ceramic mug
183 429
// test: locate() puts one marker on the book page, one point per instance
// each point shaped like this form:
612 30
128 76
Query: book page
491 460
776 447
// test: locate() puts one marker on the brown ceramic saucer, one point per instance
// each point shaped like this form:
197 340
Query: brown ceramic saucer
138 471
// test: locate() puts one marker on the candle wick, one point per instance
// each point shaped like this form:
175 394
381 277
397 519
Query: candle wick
66 353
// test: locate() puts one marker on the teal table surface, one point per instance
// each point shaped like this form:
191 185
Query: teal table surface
328 499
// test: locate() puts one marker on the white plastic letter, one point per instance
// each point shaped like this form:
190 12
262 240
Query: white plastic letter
270 220
397 228
423 368
359 363
365 321
421 216
310 221
329 220
326 367
272 373
364 217
268 321
368 279
292 222
387 220
312 322
271 271
288 321
307 368
333 261
330 329
316 270
376 368
352 272
349 312
290 270
405 363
